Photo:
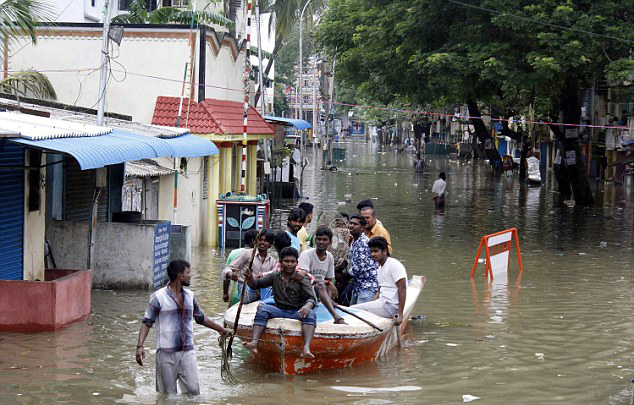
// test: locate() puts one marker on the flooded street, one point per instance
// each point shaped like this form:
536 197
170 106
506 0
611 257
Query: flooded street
564 333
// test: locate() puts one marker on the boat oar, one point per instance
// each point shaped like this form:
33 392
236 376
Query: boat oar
347 311
243 293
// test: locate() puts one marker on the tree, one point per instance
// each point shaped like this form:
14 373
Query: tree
511 56
19 19
280 101
139 14
285 17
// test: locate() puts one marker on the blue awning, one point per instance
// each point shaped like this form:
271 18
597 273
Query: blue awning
299 124
121 146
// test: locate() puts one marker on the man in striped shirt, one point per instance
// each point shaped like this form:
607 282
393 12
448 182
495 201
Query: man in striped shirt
173 309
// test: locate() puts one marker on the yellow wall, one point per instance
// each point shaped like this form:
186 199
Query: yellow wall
34 229
213 187
252 169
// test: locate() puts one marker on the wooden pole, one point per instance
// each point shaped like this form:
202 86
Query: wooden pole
242 294
347 311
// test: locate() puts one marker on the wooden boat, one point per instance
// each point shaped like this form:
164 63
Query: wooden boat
334 346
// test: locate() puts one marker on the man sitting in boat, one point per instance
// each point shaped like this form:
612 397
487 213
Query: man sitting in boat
263 262
320 264
389 301
293 299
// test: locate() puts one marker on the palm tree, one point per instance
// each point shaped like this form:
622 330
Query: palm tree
139 14
19 19
285 16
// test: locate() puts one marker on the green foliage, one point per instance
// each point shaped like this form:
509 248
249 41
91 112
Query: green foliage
280 101
288 56
138 14
28 83
19 19
507 54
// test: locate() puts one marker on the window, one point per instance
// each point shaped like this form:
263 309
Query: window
124 5
176 3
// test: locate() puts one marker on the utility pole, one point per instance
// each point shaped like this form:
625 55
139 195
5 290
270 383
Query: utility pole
105 62
331 100
301 75
326 135
314 76
260 73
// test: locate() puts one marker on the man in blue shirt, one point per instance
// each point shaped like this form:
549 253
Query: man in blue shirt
173 309
294 223
363 269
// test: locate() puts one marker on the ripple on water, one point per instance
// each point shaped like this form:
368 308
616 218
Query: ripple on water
575 310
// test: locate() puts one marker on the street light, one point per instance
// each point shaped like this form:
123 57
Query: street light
301 75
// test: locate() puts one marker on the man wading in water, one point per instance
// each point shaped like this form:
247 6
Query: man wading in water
293 299
173 309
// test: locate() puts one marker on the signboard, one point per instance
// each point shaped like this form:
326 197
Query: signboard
161 253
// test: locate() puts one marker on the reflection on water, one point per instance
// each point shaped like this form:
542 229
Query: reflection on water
563 334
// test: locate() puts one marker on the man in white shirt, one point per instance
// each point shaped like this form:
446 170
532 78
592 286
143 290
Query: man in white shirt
389 301
320 263
438 190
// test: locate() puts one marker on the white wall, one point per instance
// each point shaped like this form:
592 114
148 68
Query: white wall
191 208
148 64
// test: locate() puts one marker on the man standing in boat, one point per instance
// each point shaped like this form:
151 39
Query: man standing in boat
302 234
294 223
363 269
389 301
173 309
374 229
320 263
294 299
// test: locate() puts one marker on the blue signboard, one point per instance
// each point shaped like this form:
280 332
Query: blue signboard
161 253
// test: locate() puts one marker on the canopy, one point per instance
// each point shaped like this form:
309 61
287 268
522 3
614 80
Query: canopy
121 146
298 124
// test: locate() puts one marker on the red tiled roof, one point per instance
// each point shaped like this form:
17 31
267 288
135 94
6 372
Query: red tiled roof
210 116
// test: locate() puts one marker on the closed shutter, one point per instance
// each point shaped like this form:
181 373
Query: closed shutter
79 188
11 213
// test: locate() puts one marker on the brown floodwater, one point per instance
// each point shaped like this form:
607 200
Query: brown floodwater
562 334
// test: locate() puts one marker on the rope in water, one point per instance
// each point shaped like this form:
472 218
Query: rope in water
225 364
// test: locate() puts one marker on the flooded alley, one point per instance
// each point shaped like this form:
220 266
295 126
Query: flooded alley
564 333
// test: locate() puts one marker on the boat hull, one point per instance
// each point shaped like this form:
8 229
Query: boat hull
334 346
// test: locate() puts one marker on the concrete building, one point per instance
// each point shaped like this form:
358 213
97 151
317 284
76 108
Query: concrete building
61 181
220 121
150 63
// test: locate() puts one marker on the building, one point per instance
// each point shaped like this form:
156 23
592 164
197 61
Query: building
220 121
61 182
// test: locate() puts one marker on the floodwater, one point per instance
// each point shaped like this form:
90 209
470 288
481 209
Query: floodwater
563 333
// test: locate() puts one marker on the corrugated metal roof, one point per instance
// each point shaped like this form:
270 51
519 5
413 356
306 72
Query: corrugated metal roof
145 168
298 124
89 119
120 146
34 127
191 146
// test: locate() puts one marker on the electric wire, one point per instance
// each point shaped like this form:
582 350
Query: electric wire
393 109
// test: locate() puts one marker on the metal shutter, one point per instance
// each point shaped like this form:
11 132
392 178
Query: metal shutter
79 187
11 213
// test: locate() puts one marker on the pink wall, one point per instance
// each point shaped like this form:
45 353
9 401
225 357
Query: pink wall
37 306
